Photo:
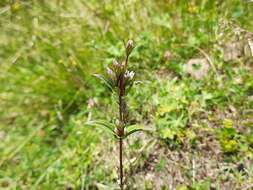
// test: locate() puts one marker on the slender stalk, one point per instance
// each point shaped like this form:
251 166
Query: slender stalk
121 162
119 79
121 133
122 109
126 61
121 127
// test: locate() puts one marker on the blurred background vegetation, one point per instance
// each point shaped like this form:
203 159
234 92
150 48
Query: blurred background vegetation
194 61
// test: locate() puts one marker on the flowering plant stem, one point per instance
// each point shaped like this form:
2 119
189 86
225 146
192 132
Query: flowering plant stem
121 163
119 80
122 105
120 133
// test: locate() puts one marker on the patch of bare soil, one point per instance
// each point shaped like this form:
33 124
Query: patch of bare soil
165 168
158 167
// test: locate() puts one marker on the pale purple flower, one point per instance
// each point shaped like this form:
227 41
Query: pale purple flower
110 72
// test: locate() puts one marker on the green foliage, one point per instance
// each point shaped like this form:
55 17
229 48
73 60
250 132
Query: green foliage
133 129
205 185
228 136
105 125
233 141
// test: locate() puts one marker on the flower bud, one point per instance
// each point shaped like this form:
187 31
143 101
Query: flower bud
129 47
123 63
91 102
115 63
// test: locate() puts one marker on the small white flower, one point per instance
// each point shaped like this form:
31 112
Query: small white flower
126 74
129 74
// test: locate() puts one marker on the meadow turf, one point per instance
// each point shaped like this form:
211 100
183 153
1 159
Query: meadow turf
201 129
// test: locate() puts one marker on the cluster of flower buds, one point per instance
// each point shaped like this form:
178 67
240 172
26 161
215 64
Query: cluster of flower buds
118 75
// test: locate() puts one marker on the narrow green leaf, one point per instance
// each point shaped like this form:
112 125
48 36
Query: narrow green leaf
102 124
133 129
106 81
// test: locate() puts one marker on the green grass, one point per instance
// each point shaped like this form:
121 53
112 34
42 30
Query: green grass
48 53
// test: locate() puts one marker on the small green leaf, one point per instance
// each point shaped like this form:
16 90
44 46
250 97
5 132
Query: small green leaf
102 124
105 80
132 129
